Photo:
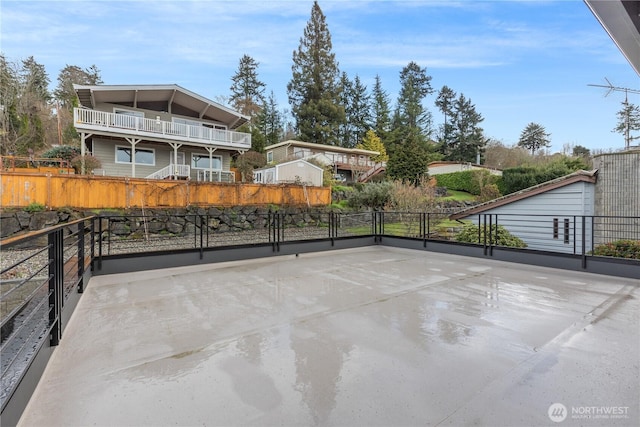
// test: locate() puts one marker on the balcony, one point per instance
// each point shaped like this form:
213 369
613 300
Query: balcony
157 130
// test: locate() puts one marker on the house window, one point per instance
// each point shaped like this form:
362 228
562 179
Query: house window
203 161
269 156
258 177
555 228
566 231
142 156
301 153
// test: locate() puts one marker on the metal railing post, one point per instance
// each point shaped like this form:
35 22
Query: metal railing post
584 243
56 279
81 257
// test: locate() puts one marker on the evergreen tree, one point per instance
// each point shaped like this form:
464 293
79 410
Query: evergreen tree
355 101
346 138
467 139
381 110
409 164
9 98
360 111
444 102
415 85
534 137
26 111
66 98
313 91
69 75
247 91
372 142
270 123
628 121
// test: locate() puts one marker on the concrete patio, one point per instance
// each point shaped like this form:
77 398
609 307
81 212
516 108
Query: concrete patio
372 336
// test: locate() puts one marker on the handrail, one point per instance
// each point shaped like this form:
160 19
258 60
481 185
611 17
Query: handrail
40 274
120 123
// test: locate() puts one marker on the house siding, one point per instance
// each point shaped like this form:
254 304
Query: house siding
531 219
104 150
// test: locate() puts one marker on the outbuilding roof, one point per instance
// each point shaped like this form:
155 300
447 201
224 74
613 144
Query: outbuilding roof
578 176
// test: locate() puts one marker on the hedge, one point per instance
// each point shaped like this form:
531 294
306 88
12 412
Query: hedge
467 181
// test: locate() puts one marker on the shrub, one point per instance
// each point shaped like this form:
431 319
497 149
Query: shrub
472 181
249 161
64 152
34 207
373 195
90 163
500 236
407 197
619 249
489 192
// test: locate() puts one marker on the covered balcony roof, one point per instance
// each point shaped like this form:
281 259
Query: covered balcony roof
170 98
621 20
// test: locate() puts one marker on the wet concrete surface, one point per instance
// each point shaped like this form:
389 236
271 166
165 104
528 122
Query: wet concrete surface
373 336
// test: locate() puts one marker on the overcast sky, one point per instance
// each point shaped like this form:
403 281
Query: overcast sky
518 61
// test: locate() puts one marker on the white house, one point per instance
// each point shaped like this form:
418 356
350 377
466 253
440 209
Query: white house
547 216
350 164
296 171
158 132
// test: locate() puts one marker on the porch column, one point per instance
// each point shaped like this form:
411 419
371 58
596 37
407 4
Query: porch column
83 150
175 147
133 142
211 150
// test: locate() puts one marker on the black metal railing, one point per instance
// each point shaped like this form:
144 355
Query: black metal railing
39 274
572 234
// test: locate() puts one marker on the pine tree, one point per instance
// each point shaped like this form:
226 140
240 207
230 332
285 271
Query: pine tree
628 121
444 102
534 137
467 139
247 91
372 142
415 85
313 91
270 123
409 164
380 110
355 101
70 75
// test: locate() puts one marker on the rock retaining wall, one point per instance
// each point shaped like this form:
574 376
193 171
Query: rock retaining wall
161 221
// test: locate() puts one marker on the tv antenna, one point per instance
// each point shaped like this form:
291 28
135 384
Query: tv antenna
627 120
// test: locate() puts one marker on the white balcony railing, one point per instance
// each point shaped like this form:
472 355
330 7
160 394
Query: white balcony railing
174 171
132 125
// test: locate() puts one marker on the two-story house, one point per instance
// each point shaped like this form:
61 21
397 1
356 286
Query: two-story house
349 164
158 132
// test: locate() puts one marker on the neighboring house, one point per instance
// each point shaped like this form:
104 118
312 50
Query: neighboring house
295 171
437 168
158 132
351 164
546 216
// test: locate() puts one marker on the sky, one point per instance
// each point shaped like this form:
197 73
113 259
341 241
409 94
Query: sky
519 62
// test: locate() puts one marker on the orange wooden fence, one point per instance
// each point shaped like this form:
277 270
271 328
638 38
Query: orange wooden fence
93 192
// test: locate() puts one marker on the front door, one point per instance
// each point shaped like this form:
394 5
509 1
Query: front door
180 158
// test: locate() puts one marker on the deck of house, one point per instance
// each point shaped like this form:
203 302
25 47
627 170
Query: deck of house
365 336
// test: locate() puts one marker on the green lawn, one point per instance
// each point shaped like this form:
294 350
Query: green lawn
410 228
